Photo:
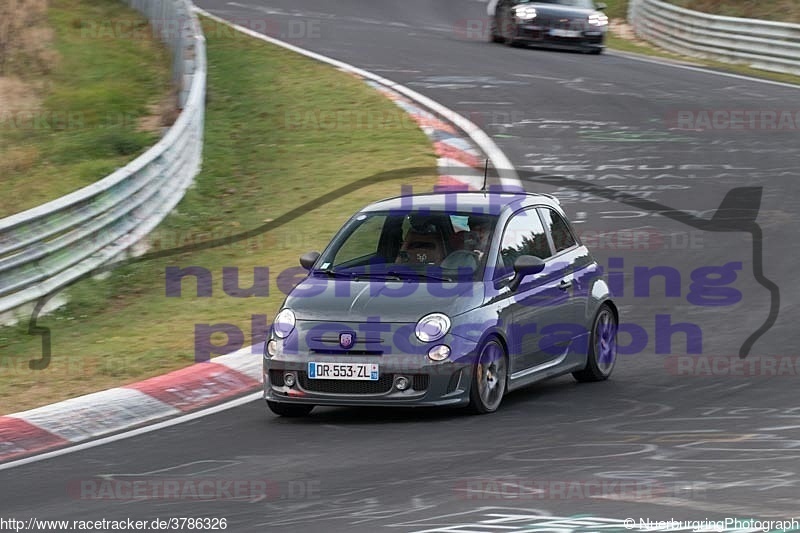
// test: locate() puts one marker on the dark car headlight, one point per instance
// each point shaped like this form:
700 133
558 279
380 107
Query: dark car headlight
525 12
598 19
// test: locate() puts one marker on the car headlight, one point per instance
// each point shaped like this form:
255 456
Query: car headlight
284 323
525 12
598 19
432 327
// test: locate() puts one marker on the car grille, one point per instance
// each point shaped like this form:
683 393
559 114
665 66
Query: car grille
329 345
343 386
419 382
346 352
546 21
276 378
558 22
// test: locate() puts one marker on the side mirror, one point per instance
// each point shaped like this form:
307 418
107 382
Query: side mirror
308 259
525 265
601 6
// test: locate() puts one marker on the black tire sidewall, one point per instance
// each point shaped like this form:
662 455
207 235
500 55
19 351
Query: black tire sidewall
475 402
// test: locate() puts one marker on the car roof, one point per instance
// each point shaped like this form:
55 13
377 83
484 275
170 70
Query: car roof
485 202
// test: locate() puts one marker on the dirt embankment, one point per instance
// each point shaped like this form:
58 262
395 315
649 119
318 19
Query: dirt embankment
26 52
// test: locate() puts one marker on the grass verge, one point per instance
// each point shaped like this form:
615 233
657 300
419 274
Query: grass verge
281 130
86 105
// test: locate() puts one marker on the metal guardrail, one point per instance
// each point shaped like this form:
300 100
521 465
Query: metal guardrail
47 247
761 44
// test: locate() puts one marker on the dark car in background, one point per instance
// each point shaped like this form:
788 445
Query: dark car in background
573 24
441 299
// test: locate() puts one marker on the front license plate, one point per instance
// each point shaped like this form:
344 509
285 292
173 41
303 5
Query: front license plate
355 371
558 32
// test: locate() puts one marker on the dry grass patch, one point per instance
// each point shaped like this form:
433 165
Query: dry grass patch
25 39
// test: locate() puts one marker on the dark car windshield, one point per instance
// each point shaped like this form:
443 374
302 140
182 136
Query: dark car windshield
584 4
421 245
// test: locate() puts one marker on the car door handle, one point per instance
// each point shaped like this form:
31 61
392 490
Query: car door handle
565 284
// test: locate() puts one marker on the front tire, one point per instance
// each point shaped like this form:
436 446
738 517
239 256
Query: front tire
602 352
511 34
505 25
489 378
494 35
290 410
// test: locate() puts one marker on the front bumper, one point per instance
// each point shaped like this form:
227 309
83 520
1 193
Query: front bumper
431 383
544 36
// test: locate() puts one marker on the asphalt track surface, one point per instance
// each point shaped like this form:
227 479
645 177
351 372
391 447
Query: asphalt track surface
691 447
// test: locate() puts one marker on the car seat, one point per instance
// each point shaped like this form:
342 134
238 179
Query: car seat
422 248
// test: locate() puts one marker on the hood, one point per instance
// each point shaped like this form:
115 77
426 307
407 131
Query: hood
345 300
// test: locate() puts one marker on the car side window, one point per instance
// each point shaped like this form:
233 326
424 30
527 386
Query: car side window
559 229
524 235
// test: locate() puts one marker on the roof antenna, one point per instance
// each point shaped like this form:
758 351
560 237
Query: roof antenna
485 174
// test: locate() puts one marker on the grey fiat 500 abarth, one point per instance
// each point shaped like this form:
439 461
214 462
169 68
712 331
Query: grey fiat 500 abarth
449 298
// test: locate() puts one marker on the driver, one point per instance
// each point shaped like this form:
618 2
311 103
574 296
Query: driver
477 239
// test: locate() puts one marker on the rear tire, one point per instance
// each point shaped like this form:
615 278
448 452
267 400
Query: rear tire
602 352
489 378
290 410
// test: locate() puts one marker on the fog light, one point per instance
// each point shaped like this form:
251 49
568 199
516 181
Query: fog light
401 383
439 353
272 348
288 379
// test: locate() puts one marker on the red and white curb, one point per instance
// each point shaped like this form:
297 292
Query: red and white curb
112 411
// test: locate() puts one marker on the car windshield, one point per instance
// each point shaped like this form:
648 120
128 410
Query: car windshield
421 245
584 4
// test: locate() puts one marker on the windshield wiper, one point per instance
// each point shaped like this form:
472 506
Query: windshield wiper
335 273
419 275
358 275
393 275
